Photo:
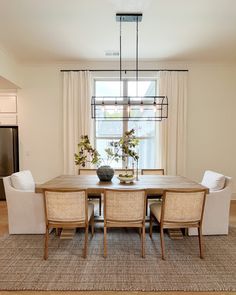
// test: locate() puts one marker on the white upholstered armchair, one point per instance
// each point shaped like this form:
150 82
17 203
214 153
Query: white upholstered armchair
216 214
25 207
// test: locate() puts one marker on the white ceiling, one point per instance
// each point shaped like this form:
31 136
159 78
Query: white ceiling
71 30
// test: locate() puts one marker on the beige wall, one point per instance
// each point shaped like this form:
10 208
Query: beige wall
211 120
40 122
9 70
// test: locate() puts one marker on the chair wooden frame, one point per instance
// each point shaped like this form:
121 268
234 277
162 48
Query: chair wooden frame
152 171
82 171
92 196
68 224
140 224
158 171
171 224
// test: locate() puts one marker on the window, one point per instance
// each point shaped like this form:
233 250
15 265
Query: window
107 131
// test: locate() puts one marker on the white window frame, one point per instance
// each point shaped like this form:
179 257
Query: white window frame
125 122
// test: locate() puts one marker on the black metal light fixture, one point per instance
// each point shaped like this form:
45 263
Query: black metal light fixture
132 108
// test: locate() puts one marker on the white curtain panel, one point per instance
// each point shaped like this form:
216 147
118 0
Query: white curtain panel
77 92
173 130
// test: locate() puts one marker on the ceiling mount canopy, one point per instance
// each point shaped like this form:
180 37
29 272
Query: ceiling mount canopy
132 108
129 17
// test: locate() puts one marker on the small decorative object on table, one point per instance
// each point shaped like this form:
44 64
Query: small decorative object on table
125 149
88 154
105 173
126 178
122 149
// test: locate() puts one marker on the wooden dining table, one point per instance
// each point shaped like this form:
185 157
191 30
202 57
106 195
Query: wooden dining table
153 184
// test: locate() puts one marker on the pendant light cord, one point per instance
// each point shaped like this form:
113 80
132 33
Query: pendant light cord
137 56
120 57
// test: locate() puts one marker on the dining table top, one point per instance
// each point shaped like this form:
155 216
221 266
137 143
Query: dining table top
153 184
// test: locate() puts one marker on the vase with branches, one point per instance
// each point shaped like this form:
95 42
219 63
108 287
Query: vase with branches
123 149
86 153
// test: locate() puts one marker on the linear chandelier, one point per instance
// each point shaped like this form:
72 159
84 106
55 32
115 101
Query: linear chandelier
132 108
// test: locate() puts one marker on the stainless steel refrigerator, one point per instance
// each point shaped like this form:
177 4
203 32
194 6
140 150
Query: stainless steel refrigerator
9 154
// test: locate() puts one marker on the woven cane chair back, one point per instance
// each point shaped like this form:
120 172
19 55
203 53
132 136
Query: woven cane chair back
183 206
66 206
125 205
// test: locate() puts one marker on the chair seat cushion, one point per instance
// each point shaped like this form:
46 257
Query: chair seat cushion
23 180
155 209
214 181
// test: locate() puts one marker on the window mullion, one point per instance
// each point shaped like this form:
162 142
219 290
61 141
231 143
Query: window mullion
125 114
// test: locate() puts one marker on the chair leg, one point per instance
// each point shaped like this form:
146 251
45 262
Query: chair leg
162 243
200 242
92 224
46 244
85 241
147 207
150 225
105 241
100 206
57 232
143 241
140 232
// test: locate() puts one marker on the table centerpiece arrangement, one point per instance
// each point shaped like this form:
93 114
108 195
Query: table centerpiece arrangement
123 149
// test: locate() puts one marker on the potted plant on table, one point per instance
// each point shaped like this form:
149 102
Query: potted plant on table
88 154
125 149
122 149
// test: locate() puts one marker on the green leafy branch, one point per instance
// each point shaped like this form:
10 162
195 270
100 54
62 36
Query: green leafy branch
122 149
86 153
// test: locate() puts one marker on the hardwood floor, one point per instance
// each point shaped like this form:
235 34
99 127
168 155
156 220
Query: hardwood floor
4 230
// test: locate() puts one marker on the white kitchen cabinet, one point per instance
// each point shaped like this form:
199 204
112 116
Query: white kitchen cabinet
8 119
8 104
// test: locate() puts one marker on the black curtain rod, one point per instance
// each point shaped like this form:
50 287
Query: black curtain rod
161 70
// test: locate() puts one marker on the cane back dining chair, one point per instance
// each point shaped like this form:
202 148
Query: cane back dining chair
68 209
179 209
152 172
93 196
124 208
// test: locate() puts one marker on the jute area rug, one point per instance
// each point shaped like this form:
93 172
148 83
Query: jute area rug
22 266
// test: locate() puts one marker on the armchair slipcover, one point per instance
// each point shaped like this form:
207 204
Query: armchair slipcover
216 214
25 207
